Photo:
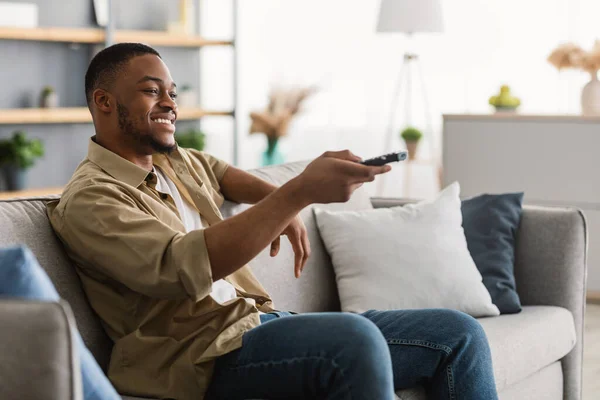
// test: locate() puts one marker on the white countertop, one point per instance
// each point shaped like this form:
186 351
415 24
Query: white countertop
506 116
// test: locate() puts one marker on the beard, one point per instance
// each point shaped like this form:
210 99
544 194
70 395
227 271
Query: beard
136 135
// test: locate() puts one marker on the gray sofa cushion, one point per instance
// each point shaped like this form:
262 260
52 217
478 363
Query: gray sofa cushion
524 343
545 384
26 222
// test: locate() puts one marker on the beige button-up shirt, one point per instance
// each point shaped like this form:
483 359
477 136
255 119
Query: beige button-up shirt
149 280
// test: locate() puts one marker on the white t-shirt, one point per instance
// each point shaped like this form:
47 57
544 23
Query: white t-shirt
222 291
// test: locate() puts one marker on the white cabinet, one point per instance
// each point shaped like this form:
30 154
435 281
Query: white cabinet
554 160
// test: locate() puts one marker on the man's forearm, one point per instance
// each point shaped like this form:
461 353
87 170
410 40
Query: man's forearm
242 187
232 243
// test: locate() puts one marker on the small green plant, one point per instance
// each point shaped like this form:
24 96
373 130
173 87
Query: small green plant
185 87
20 151
191 139
411 134
48 90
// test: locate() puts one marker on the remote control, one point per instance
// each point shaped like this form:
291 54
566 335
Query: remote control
385 159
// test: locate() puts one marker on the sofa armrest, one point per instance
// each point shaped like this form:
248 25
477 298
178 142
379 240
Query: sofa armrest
38 358
551 269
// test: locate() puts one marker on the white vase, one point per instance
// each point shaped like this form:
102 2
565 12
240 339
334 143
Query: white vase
49 101
590 96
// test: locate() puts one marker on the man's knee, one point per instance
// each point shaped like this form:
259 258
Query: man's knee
465 327
363 335
364 353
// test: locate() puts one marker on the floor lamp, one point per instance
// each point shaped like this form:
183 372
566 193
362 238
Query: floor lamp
408 17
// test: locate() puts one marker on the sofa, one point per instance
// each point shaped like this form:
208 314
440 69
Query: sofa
537 354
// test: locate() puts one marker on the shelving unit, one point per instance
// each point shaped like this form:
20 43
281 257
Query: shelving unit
30 193
109 36
76 115
101 37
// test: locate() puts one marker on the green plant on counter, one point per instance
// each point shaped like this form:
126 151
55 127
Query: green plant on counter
20 151
47 90
411 134
191 139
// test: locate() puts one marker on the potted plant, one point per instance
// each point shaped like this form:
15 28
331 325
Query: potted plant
411 136
191 139
186 97
16 156
48 98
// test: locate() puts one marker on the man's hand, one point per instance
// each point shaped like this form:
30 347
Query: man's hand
296 233
334 176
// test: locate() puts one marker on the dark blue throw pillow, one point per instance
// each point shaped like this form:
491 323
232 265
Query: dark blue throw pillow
490 223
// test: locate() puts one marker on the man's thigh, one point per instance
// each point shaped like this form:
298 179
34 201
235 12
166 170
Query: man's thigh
297 356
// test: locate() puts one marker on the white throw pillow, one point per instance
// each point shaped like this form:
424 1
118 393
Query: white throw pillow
408 257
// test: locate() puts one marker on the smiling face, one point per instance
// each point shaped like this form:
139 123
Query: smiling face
145 105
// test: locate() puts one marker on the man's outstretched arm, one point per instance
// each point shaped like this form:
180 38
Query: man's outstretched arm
330 178
242 187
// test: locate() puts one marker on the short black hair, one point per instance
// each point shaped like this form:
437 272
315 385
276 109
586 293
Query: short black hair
105 65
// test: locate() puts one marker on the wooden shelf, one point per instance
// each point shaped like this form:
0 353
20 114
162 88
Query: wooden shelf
75 115
522 117
30 193
195 113
45 115
72 35
94 35
158 38
593 297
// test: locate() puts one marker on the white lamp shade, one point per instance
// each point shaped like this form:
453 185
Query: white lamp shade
410 16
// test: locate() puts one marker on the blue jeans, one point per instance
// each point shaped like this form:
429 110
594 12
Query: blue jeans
348 356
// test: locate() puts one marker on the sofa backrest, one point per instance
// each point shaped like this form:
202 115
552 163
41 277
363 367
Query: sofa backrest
25 221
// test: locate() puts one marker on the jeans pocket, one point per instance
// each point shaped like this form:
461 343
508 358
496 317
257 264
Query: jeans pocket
281 314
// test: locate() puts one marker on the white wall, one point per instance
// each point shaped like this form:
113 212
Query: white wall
333 43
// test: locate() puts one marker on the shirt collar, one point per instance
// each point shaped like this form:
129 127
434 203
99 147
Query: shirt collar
115 165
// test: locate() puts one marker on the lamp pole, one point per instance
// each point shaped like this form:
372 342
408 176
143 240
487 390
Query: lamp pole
410 60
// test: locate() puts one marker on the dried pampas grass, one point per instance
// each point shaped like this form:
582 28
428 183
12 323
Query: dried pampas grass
569 55
283 105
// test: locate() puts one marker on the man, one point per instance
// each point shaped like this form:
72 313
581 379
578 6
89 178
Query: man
168 277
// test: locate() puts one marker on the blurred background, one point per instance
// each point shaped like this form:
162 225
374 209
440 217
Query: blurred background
500 96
